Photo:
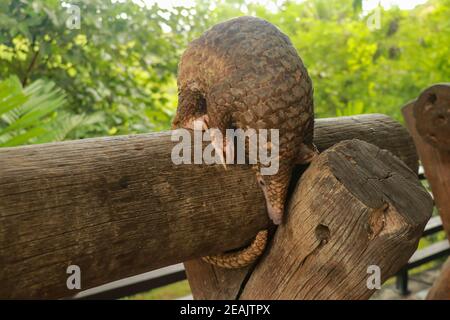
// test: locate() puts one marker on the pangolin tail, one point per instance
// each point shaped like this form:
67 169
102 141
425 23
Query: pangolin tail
241 258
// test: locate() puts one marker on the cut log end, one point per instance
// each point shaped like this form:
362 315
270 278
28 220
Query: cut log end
356 208
378 179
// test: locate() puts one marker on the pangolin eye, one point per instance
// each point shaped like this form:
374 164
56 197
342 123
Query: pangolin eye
261 182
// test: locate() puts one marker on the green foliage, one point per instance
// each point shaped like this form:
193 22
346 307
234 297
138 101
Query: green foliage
30 115
169 292
121 65
359 70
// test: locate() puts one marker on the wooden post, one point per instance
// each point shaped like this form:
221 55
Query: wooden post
209 282
117 207
357 211
428 120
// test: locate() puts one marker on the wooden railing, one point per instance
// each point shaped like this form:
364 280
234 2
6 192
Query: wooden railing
172 274
119 207
428 121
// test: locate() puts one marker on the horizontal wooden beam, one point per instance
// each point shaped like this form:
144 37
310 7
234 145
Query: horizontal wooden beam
118 206
377 129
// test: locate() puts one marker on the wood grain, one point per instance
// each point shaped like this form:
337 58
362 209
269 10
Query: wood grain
118 206
377 129
354 207
208 282
432 112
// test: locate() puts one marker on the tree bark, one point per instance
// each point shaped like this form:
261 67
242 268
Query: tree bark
356 209
117 207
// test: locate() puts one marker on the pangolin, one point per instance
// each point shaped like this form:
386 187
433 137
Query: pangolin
245 73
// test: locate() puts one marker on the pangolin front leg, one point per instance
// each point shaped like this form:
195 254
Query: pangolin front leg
246 256
220 145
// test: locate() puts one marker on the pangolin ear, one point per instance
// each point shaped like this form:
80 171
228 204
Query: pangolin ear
306 153
175 123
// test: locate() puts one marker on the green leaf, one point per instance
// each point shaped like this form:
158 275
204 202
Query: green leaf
24 137
29 114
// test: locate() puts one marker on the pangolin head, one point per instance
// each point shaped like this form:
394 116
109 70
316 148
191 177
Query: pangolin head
191 106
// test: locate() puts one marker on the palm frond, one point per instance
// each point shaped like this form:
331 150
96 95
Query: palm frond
30 115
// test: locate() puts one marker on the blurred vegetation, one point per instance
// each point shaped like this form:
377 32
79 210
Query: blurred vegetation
117 73
31 113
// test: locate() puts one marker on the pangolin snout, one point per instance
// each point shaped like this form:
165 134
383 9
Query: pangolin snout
275 214
275 209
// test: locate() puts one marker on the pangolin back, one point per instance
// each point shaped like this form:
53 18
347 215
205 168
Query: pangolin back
247 69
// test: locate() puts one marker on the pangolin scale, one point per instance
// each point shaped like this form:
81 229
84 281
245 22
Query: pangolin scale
245 73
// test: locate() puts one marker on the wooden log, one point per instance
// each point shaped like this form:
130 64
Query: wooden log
434 157
208 282
428 121
432 114
355 207
117 207
441 286
377 129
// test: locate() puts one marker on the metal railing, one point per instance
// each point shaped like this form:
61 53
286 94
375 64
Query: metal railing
136 284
